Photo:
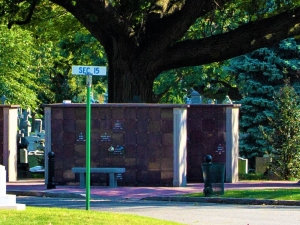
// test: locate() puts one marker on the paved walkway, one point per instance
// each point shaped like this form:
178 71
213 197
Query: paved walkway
38 188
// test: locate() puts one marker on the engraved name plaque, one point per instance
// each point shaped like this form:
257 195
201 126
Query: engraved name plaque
105 138
118 125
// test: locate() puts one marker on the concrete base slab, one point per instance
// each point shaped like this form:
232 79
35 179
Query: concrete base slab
7 199
15 207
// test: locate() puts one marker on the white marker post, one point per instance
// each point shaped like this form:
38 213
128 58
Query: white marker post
88 71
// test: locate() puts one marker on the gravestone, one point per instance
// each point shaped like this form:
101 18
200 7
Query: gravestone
7 201
38 125
25 124
195 97
3 99
261 164
243 165
227 100
23 155
33 142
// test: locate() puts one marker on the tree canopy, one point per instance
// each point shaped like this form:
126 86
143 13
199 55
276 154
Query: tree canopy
143 38
260 74
284 138
17 75
36 59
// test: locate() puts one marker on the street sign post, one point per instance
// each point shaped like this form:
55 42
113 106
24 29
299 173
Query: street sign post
88 71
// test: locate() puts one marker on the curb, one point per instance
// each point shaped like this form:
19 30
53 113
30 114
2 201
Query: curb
46 194
238 201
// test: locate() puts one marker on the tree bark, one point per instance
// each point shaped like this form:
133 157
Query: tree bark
128 83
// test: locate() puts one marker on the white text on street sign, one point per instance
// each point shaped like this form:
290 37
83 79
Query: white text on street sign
89 70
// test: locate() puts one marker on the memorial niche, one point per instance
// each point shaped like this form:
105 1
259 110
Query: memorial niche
81 137
118 150
105 138
118 126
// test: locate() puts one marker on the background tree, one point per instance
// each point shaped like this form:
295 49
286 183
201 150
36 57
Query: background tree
259 75
17 74
284 138
58 41
62 42
211 81
146 37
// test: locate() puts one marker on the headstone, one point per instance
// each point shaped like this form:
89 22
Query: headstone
227 100
37 125
195 97
42 134
261 164
25 123
187 100
3 99
23 155
243 166
7 201
67 101
41 146
33 142
211 101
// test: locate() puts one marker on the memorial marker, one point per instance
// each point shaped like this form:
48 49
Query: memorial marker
7 201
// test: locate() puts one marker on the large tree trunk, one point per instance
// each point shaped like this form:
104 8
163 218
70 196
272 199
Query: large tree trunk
131 72
128 88
127 83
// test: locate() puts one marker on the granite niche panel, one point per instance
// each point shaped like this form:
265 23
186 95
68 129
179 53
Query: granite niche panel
206 128
1 136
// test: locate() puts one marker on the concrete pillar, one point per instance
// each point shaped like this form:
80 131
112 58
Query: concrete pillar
47 116
232 144
2 180
179 146
10 133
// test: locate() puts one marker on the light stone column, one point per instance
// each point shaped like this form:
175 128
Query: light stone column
179 146
232 143
2 180
47 114
10 133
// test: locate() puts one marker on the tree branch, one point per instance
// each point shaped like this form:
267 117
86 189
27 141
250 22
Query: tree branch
246 38
28 18
169 29
102 20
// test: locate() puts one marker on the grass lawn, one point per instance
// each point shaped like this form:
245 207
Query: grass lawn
59 216
275 194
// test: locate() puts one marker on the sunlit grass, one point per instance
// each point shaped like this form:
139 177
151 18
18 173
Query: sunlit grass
59 216
275 194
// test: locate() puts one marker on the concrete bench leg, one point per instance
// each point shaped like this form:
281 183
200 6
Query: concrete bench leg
82 180
112 180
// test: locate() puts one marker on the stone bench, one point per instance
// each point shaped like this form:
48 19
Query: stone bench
113 172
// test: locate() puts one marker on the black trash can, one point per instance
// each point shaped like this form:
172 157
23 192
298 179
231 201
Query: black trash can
213 176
